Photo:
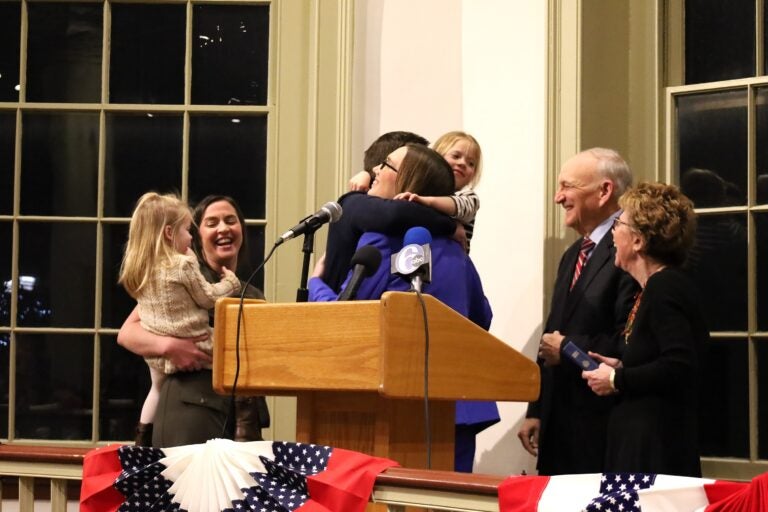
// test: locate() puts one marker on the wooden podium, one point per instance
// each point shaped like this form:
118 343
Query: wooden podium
357 369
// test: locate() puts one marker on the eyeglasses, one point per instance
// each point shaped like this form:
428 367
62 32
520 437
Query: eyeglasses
387 164
618 221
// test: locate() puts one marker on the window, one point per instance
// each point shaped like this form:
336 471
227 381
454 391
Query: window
719 157
178 101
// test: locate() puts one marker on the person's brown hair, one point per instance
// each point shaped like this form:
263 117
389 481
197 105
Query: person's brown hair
665 219
425 172
379 149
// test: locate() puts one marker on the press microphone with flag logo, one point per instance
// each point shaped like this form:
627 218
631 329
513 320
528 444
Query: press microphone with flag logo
330 212
364 264
414 261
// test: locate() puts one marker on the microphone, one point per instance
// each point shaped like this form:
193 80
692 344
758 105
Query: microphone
366 262
414 261
330 212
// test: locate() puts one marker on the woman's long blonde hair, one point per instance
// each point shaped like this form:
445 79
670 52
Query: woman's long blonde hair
147 245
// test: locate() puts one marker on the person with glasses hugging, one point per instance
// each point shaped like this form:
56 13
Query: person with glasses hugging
455 280
654 426
366 211
462 151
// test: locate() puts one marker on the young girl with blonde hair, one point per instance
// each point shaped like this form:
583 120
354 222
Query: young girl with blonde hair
162 273
462 151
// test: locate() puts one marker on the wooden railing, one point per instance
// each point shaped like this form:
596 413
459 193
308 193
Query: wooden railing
59 470
396 488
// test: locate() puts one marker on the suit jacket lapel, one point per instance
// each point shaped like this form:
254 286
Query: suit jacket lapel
602 255
560 296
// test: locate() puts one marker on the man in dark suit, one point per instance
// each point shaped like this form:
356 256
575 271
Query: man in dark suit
566 427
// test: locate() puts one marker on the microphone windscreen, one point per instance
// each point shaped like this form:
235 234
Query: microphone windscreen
333 209
417 235
369 257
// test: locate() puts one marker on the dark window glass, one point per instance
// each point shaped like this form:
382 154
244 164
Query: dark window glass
761 239
5 320
761 352
54 386
57 274
147 54
5 371
256 256
10 36
116 303
6 245
228 156
724 424
712 131
7 150
761 146
718 263
124 386
719 39
64 52
230 54
143 153
59 163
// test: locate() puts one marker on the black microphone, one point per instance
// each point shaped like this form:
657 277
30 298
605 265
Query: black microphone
330 212
414 261
365 263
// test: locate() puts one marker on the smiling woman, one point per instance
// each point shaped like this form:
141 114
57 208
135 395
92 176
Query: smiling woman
654 427
189 411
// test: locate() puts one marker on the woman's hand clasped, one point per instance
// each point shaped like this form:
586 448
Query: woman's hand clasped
599 380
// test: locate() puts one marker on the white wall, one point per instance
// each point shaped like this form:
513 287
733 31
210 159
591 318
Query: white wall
431 66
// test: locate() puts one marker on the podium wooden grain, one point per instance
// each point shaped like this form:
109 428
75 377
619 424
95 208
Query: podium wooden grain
357 369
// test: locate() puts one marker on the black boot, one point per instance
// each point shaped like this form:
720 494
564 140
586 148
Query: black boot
247 419
143 434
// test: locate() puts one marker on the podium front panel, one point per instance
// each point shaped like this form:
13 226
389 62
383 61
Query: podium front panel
285 348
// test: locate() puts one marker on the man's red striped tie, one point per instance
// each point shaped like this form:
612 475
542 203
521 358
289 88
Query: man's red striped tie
586 247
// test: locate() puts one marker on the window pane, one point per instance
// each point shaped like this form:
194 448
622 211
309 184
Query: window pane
54 386
724 425
718 263
719 40
761 239
124 385
5 320
147 54
7 150
6 239
256 257
64 55
230 54
10 35
116 303
5 369
56 268
59 164
761 351
712 131
143 153
228 156
761 146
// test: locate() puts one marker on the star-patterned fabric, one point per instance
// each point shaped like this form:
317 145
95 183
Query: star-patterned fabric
618 492
630 492
224 476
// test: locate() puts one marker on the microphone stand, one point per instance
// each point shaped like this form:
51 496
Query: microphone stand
302 294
